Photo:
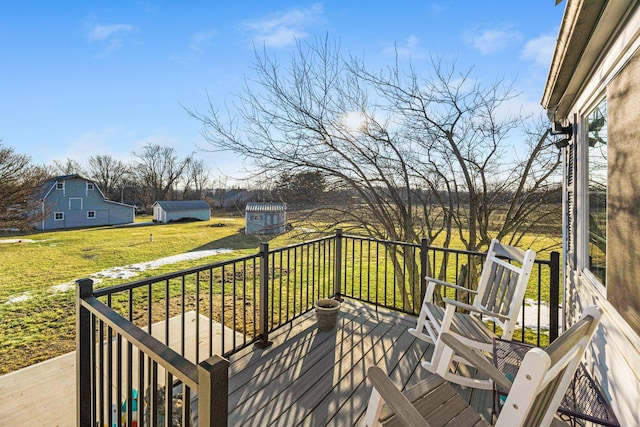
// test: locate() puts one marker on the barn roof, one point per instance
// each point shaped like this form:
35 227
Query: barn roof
182 205
266 207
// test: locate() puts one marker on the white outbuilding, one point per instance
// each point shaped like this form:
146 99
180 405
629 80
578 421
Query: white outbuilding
167 211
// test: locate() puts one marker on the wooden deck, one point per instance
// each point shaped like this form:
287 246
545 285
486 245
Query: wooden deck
315 378
307 377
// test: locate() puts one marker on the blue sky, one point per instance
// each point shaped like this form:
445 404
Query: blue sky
94 77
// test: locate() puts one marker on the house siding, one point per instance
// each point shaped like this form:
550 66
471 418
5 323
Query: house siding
609 68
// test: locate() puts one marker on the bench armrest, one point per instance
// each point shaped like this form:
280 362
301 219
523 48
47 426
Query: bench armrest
474 309
450 285
393 397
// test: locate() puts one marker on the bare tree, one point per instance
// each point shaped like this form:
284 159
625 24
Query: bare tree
156 172
67 167
20 183
196 179
420 155
460 141
109 174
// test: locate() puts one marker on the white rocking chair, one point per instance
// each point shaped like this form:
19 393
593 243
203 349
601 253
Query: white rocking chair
498 298
532 400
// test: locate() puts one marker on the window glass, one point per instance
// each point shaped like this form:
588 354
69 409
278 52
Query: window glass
597 189
91 214
58 216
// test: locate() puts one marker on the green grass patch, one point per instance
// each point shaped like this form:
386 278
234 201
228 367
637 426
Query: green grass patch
37 321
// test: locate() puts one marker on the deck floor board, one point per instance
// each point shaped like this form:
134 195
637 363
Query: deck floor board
315 378
306 377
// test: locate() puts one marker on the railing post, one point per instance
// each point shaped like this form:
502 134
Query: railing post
213 392
337 274
424 268
263 322
84 370
554 295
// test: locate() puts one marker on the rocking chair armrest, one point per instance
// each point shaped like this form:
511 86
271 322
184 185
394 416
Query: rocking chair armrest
475 309
450 285
393 397
482 364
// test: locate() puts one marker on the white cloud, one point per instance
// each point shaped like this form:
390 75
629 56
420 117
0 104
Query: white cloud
539 50
201 39
111 34
410 48
281 29
519 105
492 40
115 141
437 8
104 32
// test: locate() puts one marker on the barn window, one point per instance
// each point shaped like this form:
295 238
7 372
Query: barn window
90 186
75 203
60 185
58 216
91 214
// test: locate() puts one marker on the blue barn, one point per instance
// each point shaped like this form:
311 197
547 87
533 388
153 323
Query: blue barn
72 201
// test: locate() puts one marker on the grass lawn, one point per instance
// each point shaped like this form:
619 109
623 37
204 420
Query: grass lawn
37 275
37 319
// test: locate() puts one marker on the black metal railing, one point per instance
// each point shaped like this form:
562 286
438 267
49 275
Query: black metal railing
193 315
117 359
392 274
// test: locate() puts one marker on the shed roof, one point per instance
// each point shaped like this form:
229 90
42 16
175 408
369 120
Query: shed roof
266 207
182 205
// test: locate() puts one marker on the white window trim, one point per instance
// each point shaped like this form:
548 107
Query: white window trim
582 225
91 217
55 216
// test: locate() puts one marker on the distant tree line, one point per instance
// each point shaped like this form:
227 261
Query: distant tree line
156 173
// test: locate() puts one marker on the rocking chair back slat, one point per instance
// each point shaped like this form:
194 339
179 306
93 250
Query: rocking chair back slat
491 289
501 290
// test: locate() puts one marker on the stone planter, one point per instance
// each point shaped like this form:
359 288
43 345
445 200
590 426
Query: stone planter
327 313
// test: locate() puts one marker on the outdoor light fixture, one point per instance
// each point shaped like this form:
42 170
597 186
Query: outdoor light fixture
558 129
561 143
566 131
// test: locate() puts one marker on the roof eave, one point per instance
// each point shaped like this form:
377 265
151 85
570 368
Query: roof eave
575 53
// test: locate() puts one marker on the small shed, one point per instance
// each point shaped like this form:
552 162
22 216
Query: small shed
265 218
167 211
